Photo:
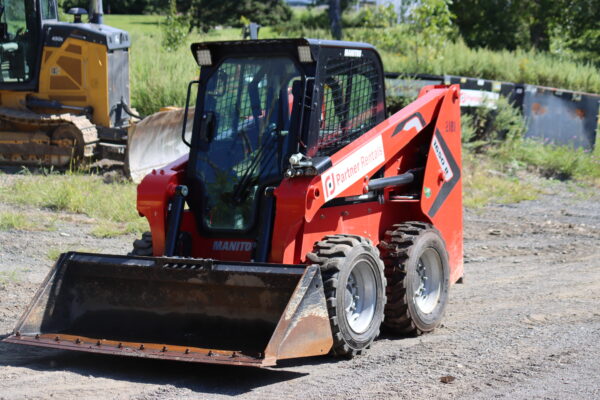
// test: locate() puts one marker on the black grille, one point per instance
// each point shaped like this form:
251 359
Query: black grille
350 93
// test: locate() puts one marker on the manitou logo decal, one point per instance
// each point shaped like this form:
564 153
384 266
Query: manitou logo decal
229 245
441 157
353 168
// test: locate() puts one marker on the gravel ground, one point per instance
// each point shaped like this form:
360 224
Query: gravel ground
525 325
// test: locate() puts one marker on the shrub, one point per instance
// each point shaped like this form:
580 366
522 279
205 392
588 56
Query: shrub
175 28
483 128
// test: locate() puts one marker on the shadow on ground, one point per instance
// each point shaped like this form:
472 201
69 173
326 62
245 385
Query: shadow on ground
200 378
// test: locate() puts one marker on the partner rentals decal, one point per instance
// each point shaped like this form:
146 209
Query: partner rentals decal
352 168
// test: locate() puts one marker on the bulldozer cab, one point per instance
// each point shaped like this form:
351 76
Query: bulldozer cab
259 105
20 26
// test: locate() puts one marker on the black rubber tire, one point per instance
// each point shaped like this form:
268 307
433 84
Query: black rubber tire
143 246
401 250
337 255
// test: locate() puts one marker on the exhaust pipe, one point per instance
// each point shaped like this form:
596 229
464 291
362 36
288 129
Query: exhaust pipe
96 12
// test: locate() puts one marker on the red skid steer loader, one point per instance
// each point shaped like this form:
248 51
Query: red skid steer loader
302 219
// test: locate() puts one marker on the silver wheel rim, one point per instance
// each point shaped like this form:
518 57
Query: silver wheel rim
428 281
361 297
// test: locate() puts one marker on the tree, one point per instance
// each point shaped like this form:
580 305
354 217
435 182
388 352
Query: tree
206 14
582 27
335 18
431 24
496 24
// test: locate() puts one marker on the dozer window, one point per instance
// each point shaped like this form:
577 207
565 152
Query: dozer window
18 40
349 103
48 9
250 101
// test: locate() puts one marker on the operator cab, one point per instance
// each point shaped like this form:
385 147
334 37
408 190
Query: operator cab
260 102
20 24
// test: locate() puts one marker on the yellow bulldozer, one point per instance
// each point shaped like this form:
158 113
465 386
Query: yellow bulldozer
64 91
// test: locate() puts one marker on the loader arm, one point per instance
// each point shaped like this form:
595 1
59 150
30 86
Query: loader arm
299 199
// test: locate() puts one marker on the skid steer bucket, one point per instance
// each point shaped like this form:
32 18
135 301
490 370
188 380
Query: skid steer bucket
180 309
156 141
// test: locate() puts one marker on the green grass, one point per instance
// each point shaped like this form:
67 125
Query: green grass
551 161
159 77
21 222
53 254
14 221
487 181
503 174
109 203
108 229
9 276
144 24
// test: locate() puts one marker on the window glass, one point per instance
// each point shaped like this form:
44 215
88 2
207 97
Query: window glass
250 101
18 41
349 105
48 9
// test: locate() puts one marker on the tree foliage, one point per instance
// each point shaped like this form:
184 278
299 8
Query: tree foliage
120 6
509 24
206 14
431 22
175 28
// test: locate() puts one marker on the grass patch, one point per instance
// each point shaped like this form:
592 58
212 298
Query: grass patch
53 254
111 203
9 276
13 221
20 222
552 161
106 230
486 181
146 24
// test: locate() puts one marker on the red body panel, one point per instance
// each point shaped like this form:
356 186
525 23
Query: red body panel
432 120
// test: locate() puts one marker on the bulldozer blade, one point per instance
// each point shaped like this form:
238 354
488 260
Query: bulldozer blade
156 141
196 310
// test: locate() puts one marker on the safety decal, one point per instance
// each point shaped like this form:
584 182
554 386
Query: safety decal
353 168
414 121
453 171
441 157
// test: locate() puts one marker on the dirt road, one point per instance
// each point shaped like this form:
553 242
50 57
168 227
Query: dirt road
525 325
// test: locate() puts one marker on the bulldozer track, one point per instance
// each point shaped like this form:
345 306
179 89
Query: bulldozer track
46 122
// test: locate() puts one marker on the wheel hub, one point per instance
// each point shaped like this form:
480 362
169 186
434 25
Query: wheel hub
360 297
428 281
